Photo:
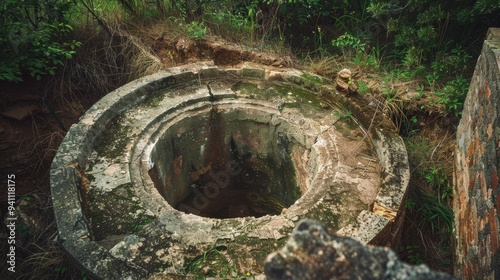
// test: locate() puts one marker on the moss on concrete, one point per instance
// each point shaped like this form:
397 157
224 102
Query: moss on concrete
153 99
294 96
113 141
102 207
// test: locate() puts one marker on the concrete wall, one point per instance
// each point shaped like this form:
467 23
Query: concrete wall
476 191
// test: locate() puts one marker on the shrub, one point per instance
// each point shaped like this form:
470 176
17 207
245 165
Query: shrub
32 38
196 30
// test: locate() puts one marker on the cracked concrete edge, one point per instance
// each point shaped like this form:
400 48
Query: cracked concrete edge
396 174
368 226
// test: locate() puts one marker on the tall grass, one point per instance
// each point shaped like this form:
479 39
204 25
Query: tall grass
429 213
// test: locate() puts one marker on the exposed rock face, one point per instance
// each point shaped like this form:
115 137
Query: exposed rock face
311 253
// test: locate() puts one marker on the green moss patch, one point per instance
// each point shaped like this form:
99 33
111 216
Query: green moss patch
113 141
104 206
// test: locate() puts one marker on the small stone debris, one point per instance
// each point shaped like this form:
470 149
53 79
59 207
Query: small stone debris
345 83
20 112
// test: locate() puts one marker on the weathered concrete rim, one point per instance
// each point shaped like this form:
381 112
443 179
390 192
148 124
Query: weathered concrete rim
66 171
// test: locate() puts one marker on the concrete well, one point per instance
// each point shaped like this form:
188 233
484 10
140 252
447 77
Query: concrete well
175 166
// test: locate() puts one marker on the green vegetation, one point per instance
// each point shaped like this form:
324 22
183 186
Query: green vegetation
344 113
428 205
363 88
424 40
196 30
211 263
33 38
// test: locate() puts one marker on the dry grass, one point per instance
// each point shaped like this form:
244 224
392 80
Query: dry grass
142 62
324 66
47 261
41 145
429 140
38 253
103 63
431 148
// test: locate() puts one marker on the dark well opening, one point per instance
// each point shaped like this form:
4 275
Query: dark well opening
227 163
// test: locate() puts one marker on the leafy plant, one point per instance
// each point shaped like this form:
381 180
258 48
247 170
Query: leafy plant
387 90
228 24
452 63
410 203
435 215
344 113
349 45
438 180
318 40
140 9
430 201
33 38
414 255
196 30
452 95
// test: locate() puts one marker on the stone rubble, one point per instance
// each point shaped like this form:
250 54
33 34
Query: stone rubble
312 253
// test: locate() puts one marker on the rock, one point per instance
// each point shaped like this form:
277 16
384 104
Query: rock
21 111
344 82
311 253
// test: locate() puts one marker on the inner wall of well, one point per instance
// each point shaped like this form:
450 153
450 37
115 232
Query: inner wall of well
228 163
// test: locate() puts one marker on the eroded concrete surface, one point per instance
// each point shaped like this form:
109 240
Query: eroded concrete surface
123 172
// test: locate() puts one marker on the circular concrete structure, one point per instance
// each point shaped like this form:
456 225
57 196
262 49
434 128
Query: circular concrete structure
178 165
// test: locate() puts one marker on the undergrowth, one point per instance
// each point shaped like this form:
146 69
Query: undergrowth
421 109
39 255
428 227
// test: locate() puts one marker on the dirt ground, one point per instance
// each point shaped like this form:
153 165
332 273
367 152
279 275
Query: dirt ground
29 136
